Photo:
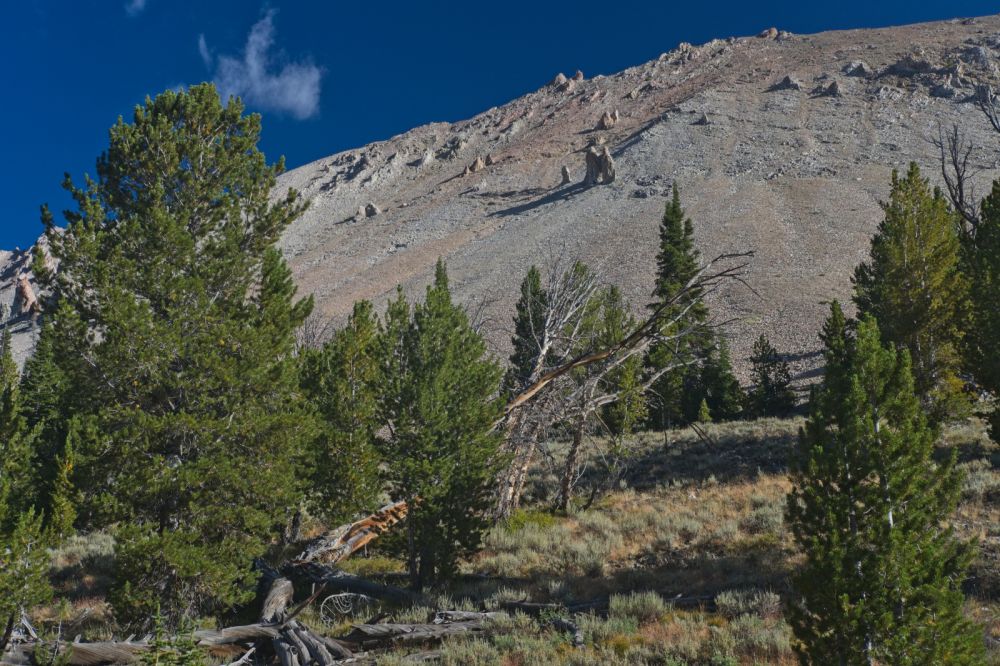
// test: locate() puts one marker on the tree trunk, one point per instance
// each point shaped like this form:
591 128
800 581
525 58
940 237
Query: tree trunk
572 464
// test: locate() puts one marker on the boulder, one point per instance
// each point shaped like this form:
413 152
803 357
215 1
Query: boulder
489 160
566 178
559 80
25 297
578 76
608 120
787 83
831 89
600 166
702 120
858 68
478 164
978 56
770 33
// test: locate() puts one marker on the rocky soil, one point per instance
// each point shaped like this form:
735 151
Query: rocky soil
781 144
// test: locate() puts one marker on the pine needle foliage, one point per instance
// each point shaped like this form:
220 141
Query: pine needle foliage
441 397
167 355
913 286
881 581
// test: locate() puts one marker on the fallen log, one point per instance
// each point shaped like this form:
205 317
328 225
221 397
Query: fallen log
336 580
570 627
367 636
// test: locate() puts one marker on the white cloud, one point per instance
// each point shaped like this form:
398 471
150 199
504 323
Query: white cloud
294 89
206 55
135 7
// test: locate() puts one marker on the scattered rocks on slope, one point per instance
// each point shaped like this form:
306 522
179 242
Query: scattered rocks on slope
787 83
608 120
369 210
561 83
858 68
600 166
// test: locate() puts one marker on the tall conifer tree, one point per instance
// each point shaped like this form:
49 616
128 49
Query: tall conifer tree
343 380
168 346
529 328
981 262
676 397
881 582
440 404
24 561
913 286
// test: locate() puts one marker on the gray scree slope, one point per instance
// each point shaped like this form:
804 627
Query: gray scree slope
791 169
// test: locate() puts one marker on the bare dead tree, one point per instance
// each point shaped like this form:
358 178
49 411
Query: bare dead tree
955 151
551 394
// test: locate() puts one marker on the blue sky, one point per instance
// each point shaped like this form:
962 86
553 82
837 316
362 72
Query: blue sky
333 75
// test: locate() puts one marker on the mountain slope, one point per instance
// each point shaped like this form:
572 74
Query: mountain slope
793 174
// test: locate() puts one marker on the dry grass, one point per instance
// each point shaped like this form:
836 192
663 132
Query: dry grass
691 519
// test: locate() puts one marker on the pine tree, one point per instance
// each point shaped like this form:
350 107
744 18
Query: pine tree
169 349
441 404
881 582
913 287
343 381
630 407
771 394
17 440
529 328
718 387
24 562
705 372
981 261
704 414
676 264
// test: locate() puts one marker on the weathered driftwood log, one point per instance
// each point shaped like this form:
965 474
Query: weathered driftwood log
344 541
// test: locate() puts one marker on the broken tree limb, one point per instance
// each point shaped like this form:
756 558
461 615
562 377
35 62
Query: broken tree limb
342 542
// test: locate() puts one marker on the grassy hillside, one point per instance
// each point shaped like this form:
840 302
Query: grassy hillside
686 560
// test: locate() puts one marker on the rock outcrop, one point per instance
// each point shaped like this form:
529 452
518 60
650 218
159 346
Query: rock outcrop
858 68
608 120
600 166
27 301
787 83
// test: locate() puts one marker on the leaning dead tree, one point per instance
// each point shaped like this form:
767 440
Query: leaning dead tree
553 390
